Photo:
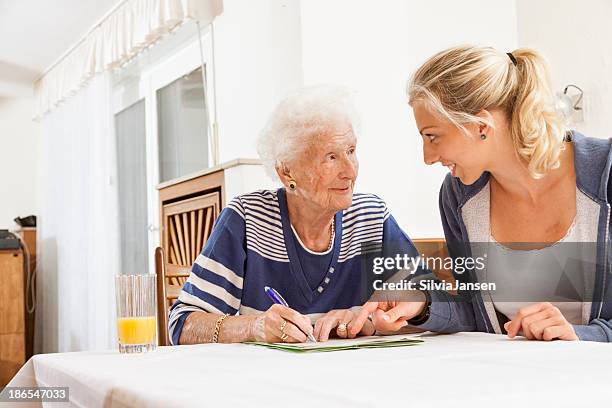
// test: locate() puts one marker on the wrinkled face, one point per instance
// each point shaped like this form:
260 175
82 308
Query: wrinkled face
326 171
464 155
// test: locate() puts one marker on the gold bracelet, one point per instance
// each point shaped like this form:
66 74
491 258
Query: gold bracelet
215 338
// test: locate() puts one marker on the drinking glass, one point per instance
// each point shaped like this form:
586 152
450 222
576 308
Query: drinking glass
136 321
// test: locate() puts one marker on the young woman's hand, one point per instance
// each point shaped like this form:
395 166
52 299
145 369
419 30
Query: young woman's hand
340 320
386 316
541 321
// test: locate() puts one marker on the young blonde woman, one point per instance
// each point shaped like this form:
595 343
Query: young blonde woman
516 176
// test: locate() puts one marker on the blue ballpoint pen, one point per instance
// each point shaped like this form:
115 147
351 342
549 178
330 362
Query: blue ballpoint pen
279 300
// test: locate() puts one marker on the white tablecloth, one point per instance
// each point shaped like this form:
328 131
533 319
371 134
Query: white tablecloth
459 370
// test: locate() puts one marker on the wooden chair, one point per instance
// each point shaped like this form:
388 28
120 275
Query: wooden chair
431 247
170 280
435 248
187 225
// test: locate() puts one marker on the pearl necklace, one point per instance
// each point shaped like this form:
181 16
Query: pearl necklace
333 233
331 238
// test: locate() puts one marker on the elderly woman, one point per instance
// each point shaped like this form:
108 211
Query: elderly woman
304 240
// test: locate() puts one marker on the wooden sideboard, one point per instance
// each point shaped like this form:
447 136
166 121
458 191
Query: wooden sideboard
16 321
12 314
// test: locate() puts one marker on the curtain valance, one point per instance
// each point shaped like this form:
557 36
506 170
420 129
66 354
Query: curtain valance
131 27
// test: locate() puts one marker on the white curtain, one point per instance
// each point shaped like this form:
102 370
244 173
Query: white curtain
77 224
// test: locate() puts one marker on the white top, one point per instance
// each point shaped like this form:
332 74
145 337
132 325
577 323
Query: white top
520 271
555 273
327 251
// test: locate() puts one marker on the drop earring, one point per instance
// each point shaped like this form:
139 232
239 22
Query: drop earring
483 136
292 185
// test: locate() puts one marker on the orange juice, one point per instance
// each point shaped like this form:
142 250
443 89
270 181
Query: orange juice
136 330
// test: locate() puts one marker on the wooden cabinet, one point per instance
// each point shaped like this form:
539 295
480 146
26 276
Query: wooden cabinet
188 210
12 314
16 321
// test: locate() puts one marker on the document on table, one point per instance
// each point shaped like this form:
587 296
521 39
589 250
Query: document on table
399 340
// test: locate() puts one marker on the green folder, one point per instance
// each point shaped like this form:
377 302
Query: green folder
369 342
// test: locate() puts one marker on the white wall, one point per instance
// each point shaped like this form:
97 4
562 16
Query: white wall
575 38
18 160
258 58
373 47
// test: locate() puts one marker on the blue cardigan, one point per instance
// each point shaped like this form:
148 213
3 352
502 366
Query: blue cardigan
466 311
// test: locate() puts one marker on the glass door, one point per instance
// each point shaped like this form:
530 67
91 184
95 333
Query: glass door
130 136
163 104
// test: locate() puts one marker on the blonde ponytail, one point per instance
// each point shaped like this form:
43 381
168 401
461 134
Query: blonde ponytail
537 129
460 82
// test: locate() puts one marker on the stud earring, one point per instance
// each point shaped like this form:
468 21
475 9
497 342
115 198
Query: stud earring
483 136
292 184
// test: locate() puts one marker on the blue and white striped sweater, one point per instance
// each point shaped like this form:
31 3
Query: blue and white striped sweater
252 246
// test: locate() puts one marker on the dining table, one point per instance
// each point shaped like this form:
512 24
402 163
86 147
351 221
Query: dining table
445 370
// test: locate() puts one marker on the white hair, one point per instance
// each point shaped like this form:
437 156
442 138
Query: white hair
299 118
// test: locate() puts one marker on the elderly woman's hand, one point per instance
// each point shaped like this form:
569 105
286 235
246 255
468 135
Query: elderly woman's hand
541 321
340 320
281 324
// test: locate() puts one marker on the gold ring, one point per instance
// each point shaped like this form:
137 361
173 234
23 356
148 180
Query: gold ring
342 327
282 326
284 337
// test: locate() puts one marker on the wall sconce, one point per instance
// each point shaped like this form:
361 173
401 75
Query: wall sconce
571 106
